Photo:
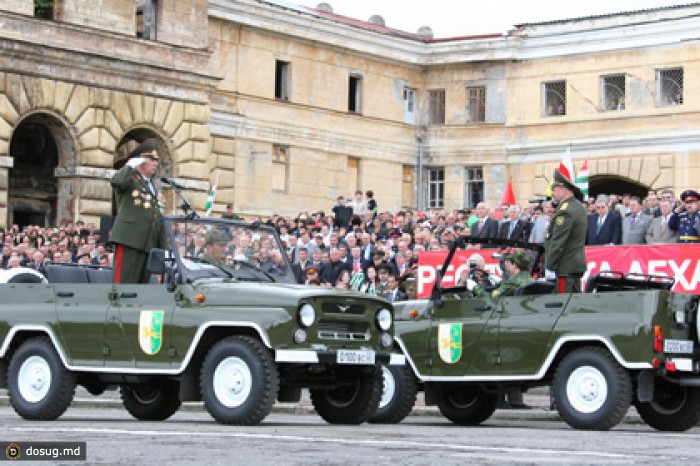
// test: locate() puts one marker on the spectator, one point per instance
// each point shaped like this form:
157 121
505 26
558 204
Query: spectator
513 226
342 212
636 224
658 231
606 226
358 205
392 292
486 226
371 202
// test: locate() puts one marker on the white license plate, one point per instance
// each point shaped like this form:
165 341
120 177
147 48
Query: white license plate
678 346
355 357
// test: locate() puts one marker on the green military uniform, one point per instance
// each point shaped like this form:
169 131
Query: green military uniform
508 286
138 226
564 246
217 237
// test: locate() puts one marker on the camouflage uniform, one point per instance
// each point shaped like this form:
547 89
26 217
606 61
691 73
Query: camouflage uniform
508 286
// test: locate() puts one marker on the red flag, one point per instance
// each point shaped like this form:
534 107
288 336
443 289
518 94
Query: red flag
508 195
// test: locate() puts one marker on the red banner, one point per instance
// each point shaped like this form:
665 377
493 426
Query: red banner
679 261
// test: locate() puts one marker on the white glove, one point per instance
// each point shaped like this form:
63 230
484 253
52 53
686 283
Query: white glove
135 162
471 284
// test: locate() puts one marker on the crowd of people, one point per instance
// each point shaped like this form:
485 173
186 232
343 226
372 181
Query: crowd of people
362 248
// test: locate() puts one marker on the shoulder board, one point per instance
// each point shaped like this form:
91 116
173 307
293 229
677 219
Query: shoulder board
564 206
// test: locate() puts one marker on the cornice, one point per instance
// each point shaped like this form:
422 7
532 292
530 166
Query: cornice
595 35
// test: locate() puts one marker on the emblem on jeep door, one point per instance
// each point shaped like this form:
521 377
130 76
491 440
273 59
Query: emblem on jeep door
151 331
450 342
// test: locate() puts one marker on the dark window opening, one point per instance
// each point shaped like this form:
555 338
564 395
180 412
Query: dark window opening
146 19
355 94
281 80
43 9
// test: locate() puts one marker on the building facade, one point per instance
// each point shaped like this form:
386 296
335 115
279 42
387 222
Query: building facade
289 107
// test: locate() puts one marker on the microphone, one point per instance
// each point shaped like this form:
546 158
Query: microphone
172 183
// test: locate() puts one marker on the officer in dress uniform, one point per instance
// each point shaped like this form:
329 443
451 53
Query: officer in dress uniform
565 242
686 219
138 226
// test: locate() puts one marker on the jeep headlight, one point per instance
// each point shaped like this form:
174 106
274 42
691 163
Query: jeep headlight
307 315
384 319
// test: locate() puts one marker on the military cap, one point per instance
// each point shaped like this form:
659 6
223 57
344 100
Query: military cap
215 235
690 195
147 149
395 233
561 180
377 253
520 258
311 268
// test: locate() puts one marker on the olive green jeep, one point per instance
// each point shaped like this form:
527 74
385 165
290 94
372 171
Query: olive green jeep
237 332
627 341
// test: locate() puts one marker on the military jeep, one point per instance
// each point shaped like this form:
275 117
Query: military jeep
237 332
627 340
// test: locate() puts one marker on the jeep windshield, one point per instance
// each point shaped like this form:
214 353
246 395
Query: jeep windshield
211 248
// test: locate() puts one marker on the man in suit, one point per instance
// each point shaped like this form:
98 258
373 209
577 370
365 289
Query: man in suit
392 292
513 226
138 226
605 226
658 231
636 224
299 268
485 227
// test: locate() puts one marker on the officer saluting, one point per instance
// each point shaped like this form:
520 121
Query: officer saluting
685 218
138 226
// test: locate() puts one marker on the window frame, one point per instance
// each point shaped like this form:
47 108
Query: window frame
435 187
666 100
283 72
355 93
606 103
546 91
435 105
280 157
474 185
476 112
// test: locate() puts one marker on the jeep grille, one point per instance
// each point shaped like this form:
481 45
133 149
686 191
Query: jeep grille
343 331
341 308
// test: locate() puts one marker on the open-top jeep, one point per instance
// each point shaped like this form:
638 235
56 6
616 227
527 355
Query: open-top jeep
627 340
237 333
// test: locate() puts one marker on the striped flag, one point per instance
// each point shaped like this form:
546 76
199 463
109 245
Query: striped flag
582 178
209 206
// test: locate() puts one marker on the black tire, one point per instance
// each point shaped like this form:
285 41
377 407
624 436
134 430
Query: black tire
466 404
398 395
155 401
239 381
591 390
39 386
674 408
351 403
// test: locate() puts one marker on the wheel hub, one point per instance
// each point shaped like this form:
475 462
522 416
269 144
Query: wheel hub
34 379
232 382
587 389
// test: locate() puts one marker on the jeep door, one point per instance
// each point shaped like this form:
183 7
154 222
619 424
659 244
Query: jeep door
463 336
524 326
81 310
137 332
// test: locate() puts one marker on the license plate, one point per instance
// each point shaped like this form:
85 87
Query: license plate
355 357
678 346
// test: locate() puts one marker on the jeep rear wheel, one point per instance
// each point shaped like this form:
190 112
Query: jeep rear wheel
674 408
467 405
39 386
398 395
155 401
353 402
591 390
239 381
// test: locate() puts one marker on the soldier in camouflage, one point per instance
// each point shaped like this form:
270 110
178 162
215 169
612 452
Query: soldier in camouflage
215 244
517 266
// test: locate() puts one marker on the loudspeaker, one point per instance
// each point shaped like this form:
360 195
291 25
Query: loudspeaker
106 223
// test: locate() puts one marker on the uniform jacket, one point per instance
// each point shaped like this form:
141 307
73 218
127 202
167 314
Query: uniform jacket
635 233
508 286
564 247
139 222
655 234
686 225
610 232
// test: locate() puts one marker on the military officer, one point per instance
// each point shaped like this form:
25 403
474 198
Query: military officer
215 245
686 219
517 266
138 226
564 246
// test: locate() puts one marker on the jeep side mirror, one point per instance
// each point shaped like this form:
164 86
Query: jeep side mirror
156 261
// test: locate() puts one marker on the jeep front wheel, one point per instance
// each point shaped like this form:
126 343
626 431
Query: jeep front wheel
674 408
39 386
466 405
239 381
591 390
398 395
155 401
354 402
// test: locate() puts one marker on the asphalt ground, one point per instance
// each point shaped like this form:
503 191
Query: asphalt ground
537 401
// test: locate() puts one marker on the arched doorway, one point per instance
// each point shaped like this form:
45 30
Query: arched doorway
612 184
40 143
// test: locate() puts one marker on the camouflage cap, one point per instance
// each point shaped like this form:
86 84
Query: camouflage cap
520 258
216 235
